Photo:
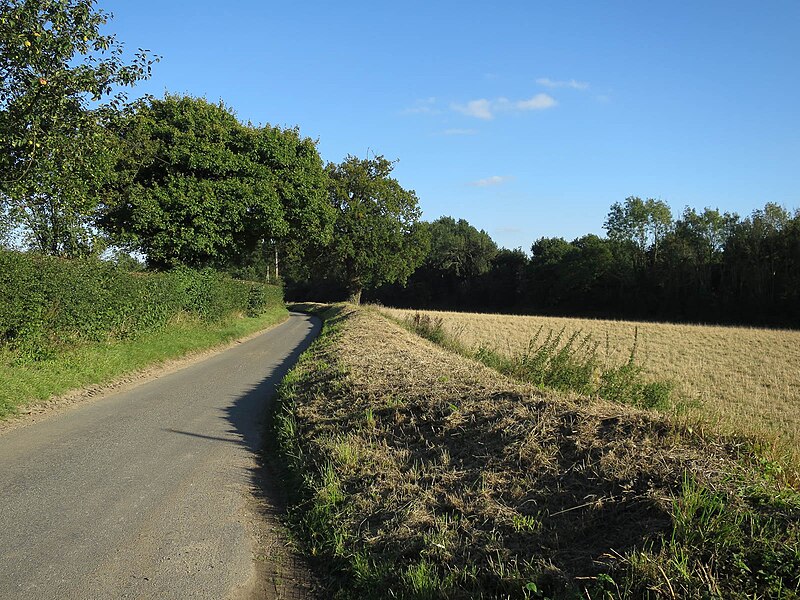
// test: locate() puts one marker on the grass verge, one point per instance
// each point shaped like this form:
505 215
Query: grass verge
29 382
420 474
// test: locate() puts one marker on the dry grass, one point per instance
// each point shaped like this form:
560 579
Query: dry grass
428 475
739 380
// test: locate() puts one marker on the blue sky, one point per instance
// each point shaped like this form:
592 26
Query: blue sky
528 119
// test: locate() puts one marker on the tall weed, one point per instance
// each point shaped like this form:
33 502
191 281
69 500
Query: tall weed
555 360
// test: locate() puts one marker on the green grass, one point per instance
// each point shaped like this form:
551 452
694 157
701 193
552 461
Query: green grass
29 382
742 542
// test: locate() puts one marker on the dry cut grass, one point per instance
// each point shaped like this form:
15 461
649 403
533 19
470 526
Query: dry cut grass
737 379
428 475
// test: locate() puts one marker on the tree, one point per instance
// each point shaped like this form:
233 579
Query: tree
641 222
459 255
377 234
548 256
580 276
55 65
507 278
762 262
198 188
295 167
458 249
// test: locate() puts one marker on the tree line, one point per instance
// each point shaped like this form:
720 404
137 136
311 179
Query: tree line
180 181
704 266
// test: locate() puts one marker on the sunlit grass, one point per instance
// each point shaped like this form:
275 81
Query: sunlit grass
24 383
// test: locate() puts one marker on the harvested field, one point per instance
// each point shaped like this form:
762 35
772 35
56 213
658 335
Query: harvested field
427 475
739 380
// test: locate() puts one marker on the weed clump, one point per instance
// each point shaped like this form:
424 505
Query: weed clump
555 360
431 328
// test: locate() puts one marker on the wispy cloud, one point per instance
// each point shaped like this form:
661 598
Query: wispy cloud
425 106
493 180
571 83
480 109
459 132
488 109
538 102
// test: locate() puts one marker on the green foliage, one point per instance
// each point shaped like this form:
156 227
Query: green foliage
625 384
47 303
377 235
559 363
54 153
556 361
90 363
550 361
644 223
198 188
431 328
458 250
740 543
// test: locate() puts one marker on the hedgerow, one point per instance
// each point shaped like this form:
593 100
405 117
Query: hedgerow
47 303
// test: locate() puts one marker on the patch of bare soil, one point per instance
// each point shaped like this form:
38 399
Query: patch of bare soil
494 484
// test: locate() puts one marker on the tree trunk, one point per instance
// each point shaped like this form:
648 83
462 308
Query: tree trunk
355 296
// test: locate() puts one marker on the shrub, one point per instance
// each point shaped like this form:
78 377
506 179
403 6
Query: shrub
47 303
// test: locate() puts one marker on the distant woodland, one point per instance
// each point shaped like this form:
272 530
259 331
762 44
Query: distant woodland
705 266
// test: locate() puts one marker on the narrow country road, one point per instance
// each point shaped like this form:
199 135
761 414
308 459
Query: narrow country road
143 494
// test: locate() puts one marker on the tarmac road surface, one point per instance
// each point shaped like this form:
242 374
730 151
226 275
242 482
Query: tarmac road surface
143 494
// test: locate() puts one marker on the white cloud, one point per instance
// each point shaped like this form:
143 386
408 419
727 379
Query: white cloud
480 109
493 180
538 102
487 109
426 106
459 132
552 84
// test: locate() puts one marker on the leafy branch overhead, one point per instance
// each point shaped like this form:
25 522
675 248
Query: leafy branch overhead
57 68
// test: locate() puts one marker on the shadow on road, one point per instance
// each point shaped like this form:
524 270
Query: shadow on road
281 572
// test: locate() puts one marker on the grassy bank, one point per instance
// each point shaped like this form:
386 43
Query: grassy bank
421 474
28 382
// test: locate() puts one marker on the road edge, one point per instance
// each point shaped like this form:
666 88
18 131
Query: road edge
40 411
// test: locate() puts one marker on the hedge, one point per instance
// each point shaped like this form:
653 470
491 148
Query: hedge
47 303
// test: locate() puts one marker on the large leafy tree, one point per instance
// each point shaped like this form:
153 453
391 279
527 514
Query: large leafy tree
293 166
196 187
643 223
459 250
60 77
378 237
452 272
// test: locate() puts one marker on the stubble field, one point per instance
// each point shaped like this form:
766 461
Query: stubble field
734 379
